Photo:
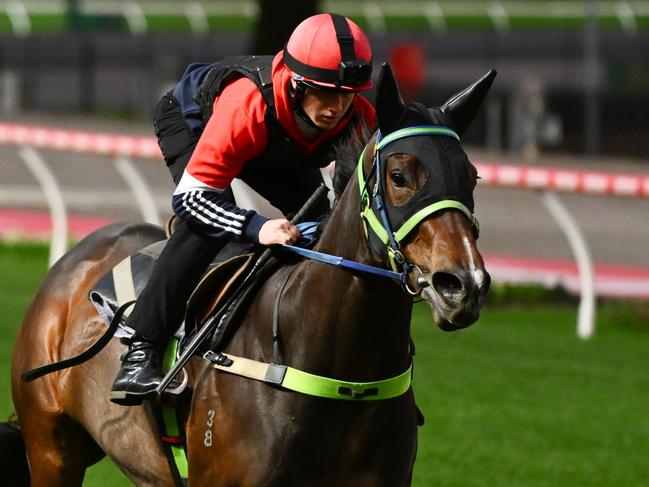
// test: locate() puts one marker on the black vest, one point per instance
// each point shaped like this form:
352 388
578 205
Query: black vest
283 173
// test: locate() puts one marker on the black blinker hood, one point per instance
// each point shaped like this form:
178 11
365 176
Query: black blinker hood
447 174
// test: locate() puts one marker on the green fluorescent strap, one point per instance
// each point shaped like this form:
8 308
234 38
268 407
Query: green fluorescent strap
361 177
181 460
374 222
170 419
170 354
414 131
367 212
315 385
171 427
415 219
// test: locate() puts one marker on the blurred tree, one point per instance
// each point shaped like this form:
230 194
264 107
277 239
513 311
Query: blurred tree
277 20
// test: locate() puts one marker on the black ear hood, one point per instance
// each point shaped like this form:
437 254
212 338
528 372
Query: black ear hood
440 152
391 111
390 107
462 107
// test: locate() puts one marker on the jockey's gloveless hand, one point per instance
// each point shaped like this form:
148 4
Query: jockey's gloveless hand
279 231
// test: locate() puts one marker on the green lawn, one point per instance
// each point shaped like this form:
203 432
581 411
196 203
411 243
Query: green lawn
516 400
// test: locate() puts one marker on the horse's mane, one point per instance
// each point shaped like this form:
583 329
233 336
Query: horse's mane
347 151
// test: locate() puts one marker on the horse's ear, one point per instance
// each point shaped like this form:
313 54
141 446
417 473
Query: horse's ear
462 107
389 103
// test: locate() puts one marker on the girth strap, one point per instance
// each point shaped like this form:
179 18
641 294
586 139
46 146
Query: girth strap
311 384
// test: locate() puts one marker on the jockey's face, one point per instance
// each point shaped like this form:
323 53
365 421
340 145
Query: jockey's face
326 107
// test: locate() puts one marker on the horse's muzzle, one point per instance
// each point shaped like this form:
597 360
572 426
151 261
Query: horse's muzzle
456 298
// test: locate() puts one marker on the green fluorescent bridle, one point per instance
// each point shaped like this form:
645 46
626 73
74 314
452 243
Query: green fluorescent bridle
380 224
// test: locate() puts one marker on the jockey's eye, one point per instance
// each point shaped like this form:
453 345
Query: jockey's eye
398 179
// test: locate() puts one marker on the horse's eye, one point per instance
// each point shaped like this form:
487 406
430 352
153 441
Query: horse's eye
398 179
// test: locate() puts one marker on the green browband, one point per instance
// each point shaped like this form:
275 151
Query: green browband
415 131
311 384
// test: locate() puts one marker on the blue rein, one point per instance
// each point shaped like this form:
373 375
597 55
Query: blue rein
308 230
347 264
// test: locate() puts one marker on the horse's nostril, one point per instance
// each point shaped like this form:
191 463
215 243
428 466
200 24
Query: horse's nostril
448 286
486 284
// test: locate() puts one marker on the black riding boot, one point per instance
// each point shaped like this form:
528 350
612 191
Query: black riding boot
140 374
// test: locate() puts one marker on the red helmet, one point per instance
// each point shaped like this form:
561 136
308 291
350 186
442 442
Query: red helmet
331 51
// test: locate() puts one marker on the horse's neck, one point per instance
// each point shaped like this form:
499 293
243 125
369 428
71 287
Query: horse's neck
343 234
365 319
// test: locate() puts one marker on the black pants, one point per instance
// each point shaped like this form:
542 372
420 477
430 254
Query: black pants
160 308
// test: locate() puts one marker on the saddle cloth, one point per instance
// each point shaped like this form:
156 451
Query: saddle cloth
127 279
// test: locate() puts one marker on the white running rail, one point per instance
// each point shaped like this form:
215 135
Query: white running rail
122 148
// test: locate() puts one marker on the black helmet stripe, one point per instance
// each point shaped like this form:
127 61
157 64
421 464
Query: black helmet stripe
345 38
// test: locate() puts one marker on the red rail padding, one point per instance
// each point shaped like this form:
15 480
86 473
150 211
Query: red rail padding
37 225
568 180
96 143
610 280
547 178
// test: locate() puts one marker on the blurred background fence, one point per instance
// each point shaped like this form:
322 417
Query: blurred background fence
569 70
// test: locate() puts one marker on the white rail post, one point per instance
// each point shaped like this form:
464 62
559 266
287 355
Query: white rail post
197 17
135 18
18 17
434 16
140 189
498 16
37 166
626 17
570 228
374 16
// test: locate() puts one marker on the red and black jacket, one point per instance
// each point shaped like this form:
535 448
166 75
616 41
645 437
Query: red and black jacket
260 143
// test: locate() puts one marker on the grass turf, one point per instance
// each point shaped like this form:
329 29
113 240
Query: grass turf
514 400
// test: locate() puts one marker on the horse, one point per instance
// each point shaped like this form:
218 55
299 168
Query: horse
336 323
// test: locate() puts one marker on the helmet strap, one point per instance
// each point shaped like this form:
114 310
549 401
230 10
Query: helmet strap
296 91
304 118
344 37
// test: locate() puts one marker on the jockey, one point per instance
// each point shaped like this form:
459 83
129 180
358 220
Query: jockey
316 79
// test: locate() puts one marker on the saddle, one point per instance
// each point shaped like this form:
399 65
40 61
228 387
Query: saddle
124 283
